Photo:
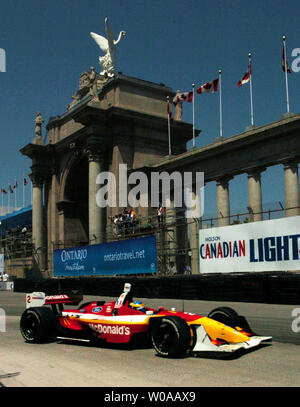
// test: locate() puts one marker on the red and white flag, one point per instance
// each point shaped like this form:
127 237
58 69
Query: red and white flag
10 189
3 191
209 87
246 77
284 61
183 97
25 181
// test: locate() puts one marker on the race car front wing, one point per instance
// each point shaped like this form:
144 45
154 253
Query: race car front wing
204 343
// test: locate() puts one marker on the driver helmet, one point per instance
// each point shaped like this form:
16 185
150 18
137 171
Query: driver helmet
138 305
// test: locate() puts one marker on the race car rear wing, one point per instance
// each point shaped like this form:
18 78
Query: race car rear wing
38 299
125 296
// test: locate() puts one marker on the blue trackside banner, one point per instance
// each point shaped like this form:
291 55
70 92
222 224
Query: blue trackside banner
130 256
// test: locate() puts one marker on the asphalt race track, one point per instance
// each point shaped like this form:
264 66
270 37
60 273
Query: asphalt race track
61 364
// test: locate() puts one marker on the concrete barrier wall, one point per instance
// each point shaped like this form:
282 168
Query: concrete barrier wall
7 286
279 288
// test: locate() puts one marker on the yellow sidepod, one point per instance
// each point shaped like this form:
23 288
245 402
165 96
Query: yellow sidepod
217 330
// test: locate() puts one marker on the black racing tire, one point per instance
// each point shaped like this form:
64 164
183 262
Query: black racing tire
38 324
170 336
226 315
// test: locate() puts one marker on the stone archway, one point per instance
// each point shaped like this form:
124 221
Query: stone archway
74 204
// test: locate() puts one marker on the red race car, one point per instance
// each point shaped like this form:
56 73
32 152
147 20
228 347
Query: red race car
172 333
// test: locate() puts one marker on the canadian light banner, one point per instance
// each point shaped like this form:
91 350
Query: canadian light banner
270 245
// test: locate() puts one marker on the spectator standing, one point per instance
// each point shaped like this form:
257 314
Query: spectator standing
133 219
173 269
116 225
160 214
187 270
125 220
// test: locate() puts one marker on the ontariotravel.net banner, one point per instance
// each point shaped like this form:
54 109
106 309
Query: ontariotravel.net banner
130 256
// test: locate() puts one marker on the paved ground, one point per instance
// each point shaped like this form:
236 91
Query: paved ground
64 365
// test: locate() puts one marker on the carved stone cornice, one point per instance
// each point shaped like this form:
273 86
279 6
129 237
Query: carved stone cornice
75 149
291 164
223 181
256 173
41 170
92 155
37 179
93 149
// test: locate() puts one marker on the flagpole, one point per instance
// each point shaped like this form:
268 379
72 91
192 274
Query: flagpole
251 97
23 191
286 77
169 125
193 86
221 119
15 193
2 211
8 199
2 199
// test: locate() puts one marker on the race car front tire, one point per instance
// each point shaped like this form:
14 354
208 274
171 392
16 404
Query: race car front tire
38 324
170 336
226 315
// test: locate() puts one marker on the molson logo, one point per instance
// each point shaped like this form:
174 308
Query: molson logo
111 329
73 254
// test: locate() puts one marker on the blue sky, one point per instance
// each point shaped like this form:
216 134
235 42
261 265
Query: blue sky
48 46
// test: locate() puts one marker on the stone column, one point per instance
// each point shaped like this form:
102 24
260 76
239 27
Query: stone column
291 189
223 204
96 213
254 194
38 238
194 224
170 230
52 218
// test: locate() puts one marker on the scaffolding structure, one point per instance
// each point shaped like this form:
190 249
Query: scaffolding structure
176 239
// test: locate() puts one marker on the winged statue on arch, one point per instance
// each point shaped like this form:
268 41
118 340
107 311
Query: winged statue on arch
108 46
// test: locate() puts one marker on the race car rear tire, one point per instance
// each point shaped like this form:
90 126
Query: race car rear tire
38 324
170 336
226 315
